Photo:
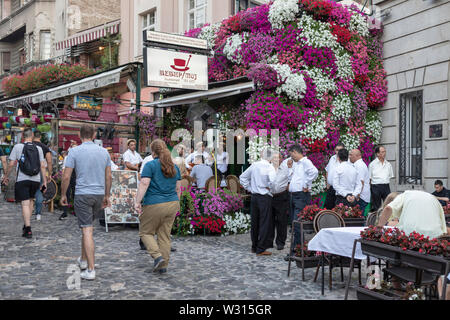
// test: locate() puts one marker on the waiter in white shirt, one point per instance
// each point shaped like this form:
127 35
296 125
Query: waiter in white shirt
222 160
330 200
345 181
363 197
258 180
131 158
200 151
380 173
302 175
280 202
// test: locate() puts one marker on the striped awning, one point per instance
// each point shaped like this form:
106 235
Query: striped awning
89 35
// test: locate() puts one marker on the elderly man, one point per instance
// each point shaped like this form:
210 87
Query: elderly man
380 173
416 211
363 197
131 158
345 181
330 200
258 180
280 202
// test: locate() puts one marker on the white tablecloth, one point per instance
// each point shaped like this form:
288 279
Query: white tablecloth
338 241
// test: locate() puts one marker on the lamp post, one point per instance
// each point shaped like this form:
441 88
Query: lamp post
94 113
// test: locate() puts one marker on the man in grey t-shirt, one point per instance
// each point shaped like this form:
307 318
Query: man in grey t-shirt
92 165
201 172
26 186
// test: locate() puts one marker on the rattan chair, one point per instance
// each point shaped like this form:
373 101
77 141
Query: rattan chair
371 219
327 219
210 184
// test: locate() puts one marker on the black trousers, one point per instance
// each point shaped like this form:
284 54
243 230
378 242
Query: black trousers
261 221
280 217
330 201
378 192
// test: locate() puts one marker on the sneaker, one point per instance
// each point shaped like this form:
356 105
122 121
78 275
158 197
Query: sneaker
63 216
82 264
88 274
162 271
158 263
172 249
27 232
38 217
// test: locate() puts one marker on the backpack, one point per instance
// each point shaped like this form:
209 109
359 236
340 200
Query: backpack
29 162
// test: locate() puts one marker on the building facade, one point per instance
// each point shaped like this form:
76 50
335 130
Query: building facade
415 116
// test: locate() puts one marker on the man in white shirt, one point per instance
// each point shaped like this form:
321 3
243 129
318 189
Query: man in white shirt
201 172
302 173
330 200
280 202
258 180
131 158
380 173
363 198
345 181
113 165
222 160
144 162
200 151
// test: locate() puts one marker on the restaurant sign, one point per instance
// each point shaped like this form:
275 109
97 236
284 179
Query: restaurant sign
171 69
87 103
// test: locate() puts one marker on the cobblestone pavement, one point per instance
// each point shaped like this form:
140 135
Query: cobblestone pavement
219 268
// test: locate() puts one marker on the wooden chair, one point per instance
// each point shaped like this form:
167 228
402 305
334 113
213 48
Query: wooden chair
50 194
371 219
233 184
210 184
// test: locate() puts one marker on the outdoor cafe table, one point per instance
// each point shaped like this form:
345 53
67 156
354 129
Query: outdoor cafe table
338 241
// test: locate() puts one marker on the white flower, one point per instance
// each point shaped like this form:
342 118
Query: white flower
255 146
315 129
344 64
294 85
359 24
209 33
322 81
236 223
317 33
319 185
342 107
373 126
350 141
282 11
232 47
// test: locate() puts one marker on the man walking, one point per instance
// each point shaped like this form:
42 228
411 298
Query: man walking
380 173
30 167
363 198
330 200
92 165
258 179
280 202
39 197
345 181
302 175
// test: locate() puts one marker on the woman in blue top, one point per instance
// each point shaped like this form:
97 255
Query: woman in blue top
159 190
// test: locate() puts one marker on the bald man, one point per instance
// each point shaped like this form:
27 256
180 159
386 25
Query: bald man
363 198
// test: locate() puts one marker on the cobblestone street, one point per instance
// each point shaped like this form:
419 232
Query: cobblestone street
202 267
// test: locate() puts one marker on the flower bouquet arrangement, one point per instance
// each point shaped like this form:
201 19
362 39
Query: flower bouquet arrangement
347 212
309 212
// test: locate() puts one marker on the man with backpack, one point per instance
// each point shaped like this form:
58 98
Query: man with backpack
30 166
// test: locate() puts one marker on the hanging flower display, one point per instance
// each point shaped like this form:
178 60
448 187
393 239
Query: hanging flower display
319 73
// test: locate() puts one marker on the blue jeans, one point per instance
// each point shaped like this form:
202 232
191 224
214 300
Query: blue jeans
362 204
299 201
39 199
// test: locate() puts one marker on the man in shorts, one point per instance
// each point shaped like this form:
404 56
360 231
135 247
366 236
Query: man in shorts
26 185
92 165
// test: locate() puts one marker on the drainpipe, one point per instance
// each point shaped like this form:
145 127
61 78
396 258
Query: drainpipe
138 103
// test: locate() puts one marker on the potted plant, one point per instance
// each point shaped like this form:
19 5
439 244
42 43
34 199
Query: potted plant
310 258
306 216
353 216
373 292
372 246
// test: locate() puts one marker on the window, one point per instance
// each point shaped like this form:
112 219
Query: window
411 128
45 45
196 13
30 47
22 56
6 62
242 5
149 21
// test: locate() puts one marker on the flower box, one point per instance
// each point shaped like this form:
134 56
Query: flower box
433 264
309 262
355 222
366 294
381 251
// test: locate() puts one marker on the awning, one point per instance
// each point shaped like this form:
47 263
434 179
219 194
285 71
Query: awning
89 83
211 94
89 35
95 81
